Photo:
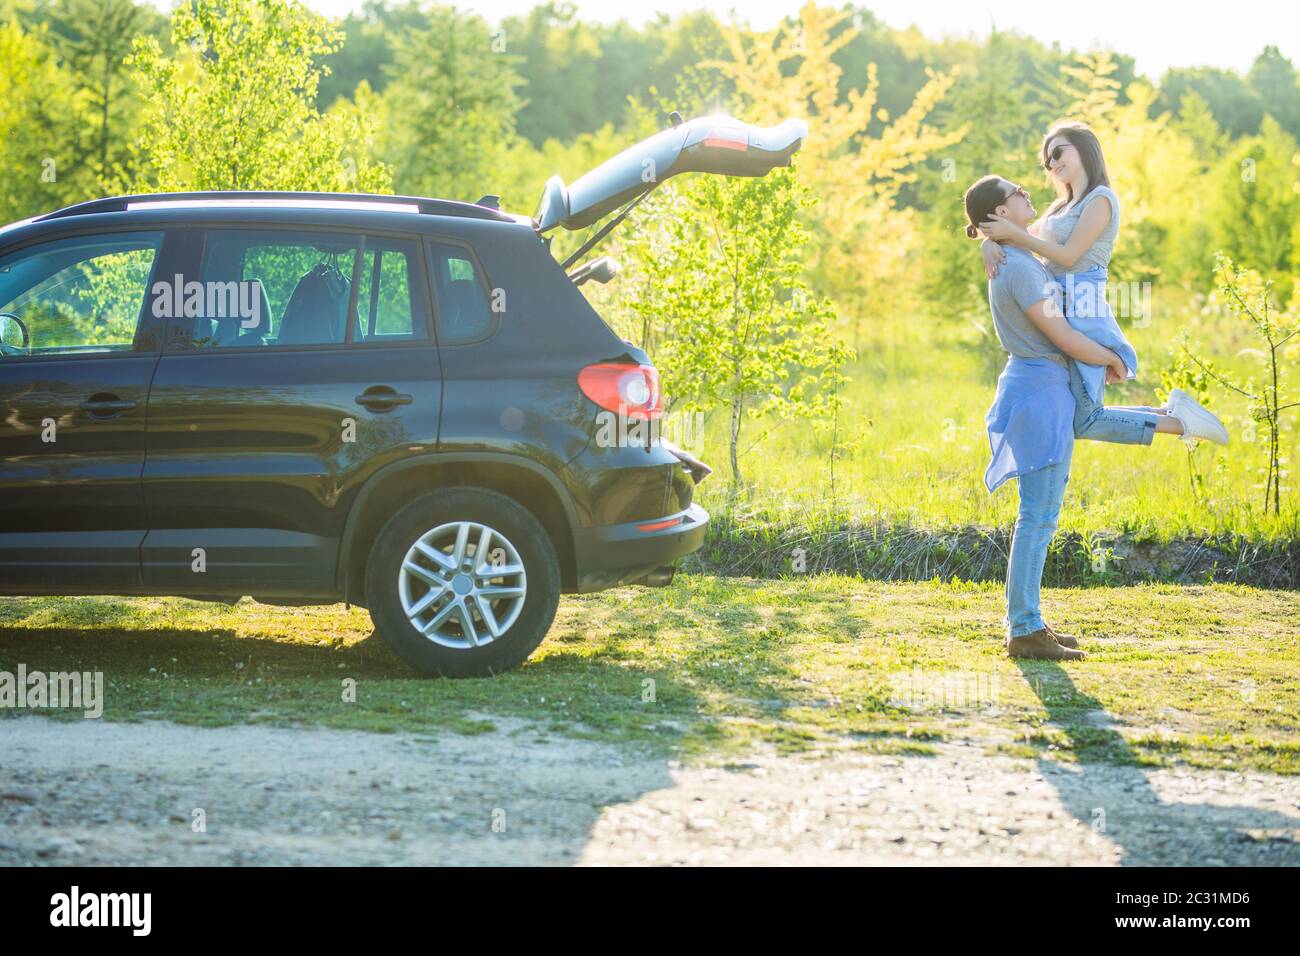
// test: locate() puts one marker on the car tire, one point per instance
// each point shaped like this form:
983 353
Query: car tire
462 619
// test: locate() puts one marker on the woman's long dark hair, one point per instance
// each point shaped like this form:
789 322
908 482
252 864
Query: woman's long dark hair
984 196
1085 141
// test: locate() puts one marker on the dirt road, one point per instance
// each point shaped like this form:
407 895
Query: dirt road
96 793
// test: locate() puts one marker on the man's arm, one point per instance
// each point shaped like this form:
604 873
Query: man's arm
1047 317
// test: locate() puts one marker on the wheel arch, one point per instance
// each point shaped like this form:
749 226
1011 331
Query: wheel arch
529 484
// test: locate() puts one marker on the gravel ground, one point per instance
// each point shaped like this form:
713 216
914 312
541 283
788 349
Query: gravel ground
96 793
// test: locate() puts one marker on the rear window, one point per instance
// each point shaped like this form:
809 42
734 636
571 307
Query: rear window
462 307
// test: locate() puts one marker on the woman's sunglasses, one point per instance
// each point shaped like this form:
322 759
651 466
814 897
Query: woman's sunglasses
1055 154
1014 190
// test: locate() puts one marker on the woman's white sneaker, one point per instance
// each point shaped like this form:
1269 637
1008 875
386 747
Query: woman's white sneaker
1198 421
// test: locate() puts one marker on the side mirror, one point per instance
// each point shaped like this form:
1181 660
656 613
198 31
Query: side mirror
14 336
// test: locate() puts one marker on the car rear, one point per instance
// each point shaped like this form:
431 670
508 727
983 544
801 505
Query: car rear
552 383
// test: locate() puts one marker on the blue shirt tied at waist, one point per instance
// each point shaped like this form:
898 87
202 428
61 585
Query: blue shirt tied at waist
1031 421
1086 309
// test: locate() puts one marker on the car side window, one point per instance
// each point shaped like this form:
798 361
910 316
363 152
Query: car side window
76 296
461 305
391 303
259 288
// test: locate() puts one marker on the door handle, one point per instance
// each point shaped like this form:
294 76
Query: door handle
106 406
382 398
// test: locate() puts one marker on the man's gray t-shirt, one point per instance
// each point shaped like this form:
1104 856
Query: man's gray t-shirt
1021 282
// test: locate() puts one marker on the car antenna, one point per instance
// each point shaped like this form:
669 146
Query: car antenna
675 118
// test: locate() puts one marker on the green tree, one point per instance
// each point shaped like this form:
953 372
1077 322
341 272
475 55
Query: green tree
865 234
1275 81
578 76
235 106
559 63
1089 90
1248 296
1236 107
1166 216
366 54
1196 121
95 38
1260 205
993 103
900 73
37 122
450 107
737 326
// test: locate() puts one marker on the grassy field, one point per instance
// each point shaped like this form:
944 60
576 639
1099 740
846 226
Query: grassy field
1201 675
911 447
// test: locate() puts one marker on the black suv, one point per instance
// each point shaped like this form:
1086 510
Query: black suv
306 398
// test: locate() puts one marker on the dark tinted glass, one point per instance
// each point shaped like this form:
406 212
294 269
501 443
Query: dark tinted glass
461 304
78 296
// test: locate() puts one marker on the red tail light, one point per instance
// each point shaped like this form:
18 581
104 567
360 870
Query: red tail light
725 138
629 390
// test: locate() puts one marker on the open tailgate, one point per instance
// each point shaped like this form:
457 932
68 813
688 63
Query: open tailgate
708 144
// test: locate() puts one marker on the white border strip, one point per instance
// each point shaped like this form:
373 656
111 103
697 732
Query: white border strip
275 204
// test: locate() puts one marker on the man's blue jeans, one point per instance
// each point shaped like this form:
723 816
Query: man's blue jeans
1041 493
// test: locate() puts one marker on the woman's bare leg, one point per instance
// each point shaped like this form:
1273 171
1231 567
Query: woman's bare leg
1168 425
1153 409
1160 419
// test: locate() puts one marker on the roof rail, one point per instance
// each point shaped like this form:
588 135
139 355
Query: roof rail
431 207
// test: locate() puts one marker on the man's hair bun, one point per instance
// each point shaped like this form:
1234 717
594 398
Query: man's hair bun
983 197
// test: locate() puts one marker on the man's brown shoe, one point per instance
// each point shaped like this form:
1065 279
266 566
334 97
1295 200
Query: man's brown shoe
1065 640
1040 645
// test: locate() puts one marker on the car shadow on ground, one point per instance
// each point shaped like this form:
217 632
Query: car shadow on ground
1111 792
541 751
596 675
257 734
93 793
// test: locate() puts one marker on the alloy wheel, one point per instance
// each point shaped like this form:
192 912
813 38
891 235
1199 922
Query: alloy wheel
462 585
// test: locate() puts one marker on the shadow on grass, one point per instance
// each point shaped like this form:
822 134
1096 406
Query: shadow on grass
590 680
554 790
589 685
1111 792
217 675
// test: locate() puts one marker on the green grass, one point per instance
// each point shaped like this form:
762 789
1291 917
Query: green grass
1197 675
912 447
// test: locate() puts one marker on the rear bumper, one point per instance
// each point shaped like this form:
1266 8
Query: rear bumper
618 554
